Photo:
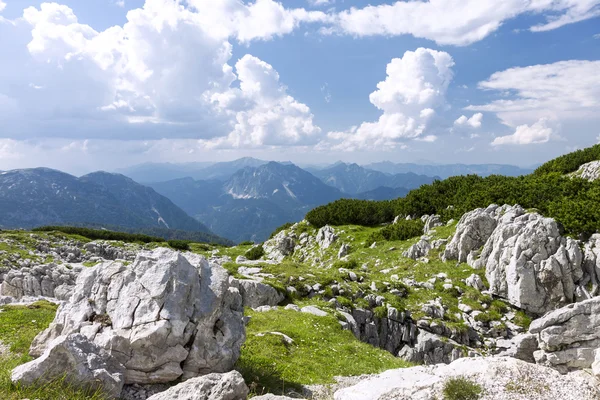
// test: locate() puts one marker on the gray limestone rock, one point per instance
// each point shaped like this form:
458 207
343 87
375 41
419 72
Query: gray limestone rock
82 363
227 386
167 315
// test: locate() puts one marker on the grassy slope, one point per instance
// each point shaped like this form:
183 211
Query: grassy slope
320 351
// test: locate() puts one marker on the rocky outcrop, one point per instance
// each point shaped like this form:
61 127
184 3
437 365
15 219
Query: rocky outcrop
48 280
526 259
521 346
472 231
280 246
531 265
255 294
431 222
418 250
589 171
107 251
431 349
167 315
81 363
229 386
569 337
344 250
499 378
591 266
326 237
391 332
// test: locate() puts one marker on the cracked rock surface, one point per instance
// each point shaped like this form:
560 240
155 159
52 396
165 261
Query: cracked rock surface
165 316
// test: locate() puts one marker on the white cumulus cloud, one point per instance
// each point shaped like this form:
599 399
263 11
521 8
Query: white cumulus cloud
165 73
415 86
539 132
458 22
473 122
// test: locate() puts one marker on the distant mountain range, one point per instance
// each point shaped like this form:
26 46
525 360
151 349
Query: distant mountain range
160 172
41 196
354 179
448 170
245 199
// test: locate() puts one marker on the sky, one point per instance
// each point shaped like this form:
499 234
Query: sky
104 84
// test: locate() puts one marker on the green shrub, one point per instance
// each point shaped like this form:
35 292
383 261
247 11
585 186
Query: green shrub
461 388
255 253
246 243
402 230
95 234
182 245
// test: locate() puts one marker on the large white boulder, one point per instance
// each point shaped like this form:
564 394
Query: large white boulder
165 316
530 264
570 336
472 231
228 386
499 378
81 363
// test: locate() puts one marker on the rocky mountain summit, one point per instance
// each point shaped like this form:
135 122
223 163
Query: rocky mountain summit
501 300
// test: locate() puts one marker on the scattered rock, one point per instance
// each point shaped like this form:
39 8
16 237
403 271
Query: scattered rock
314 311
475 282
48 280
344 250
228 386
82 363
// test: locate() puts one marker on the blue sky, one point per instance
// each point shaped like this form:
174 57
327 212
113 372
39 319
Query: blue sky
87 85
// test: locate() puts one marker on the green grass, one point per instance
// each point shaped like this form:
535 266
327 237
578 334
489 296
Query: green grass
18 326
461 388
321 349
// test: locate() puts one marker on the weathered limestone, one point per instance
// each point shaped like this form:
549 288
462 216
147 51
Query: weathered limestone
326 237
82 363
472 231
48 280
589 171
418 250
167 315
569 336
228 386
432 222
280 246
530 264
255 294
499 378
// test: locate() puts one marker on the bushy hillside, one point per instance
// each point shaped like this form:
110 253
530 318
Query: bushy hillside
570 200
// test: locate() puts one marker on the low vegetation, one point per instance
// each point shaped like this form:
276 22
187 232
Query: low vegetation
461 388
255 253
